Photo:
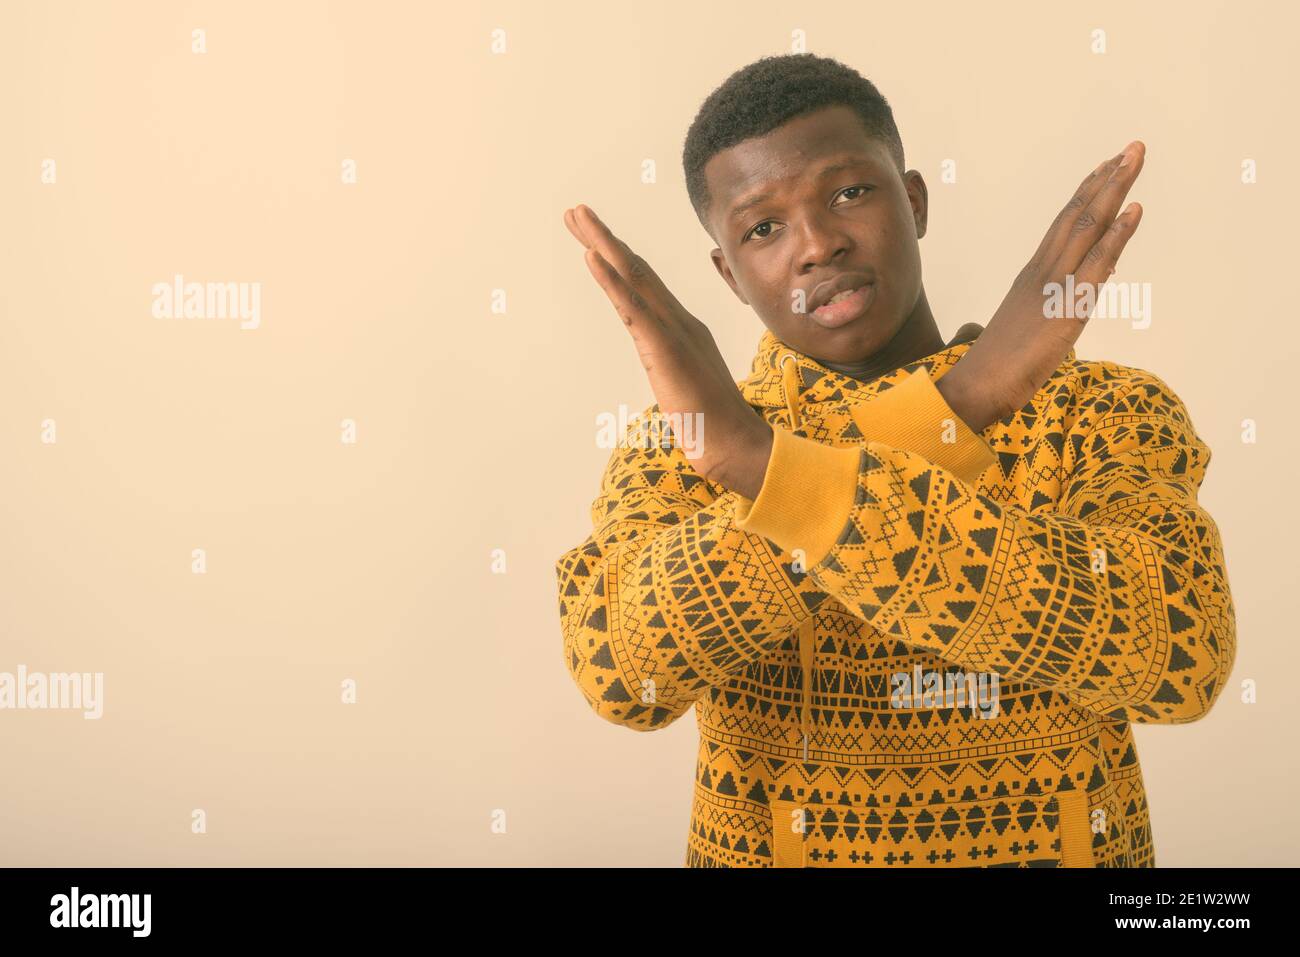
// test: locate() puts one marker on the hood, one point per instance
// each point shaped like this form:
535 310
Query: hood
783 378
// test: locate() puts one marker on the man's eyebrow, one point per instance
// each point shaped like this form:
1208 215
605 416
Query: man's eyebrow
749 202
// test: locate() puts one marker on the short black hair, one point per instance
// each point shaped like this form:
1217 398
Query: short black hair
758 98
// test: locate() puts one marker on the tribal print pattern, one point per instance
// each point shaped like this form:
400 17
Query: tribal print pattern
1071 569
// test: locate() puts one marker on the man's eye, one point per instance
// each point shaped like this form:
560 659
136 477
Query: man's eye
767 223
862 189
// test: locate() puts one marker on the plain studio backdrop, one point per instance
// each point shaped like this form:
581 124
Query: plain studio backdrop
391 175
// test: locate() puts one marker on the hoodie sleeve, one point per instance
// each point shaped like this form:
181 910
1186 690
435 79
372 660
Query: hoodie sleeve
1118 598
667 596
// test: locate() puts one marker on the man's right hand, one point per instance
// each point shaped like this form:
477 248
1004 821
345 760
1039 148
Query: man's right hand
686 371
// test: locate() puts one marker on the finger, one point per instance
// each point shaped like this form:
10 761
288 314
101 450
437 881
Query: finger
1100 260
1057 234
1093 221
636 313
634 270
571 222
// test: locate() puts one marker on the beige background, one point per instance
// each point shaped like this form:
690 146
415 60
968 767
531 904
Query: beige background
477 431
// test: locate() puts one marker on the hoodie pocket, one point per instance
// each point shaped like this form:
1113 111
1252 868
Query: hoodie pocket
1049 830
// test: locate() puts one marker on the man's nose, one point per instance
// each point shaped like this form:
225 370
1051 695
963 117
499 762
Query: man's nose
823 239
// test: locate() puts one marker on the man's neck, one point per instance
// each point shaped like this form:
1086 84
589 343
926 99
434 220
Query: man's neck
919 337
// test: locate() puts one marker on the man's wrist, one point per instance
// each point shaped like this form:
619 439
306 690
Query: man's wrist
745 472
969 404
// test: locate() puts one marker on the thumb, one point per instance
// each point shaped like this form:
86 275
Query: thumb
967 333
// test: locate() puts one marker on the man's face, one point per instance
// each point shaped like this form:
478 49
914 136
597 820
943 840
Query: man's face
835 206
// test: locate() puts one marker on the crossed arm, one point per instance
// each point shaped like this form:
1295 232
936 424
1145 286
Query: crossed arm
1116 597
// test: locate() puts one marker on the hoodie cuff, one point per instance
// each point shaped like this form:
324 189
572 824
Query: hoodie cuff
913 416
808 492
809 489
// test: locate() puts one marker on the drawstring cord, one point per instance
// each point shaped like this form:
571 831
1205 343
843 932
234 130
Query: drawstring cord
805 634
805 666
790 385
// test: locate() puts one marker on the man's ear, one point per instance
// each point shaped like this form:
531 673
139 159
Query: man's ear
919 196
720 264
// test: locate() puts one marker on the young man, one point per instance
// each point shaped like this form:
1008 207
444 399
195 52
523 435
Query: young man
917 593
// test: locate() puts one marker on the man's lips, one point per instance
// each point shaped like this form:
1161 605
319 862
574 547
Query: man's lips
836 314
845 281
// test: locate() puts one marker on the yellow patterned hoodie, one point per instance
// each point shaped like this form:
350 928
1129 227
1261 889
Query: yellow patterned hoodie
919 646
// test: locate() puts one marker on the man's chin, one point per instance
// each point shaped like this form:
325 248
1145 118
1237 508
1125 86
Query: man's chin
853 342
